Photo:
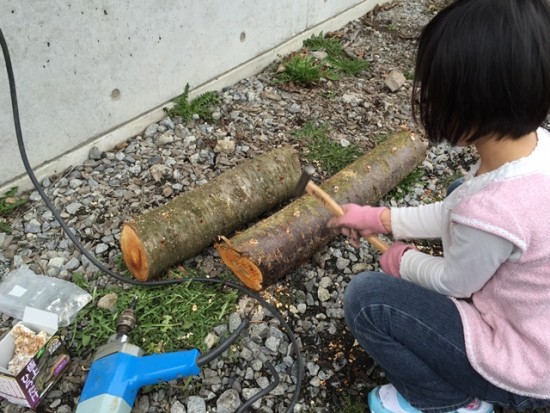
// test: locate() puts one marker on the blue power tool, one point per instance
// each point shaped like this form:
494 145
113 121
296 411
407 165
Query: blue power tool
119 369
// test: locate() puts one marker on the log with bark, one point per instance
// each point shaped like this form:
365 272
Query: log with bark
180 229
268 250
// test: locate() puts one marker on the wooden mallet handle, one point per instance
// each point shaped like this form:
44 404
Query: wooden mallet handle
337 210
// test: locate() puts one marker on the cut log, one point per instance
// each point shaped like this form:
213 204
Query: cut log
181 228
265 252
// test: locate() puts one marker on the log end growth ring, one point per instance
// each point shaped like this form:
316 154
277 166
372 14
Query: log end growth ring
134 253
242 266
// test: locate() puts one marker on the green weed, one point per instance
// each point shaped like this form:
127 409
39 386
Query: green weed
169 318
331 46
306 70
378 139
9 203
352 405
302 71
330 155
203 105
329 94
349 67
406 184
409 75
445 181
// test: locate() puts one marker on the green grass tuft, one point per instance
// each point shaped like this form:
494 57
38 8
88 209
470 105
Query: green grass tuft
203 105
169 318
406 184
349 67
321 150
306 70
409 75
8 204
302 71
331 46
352 405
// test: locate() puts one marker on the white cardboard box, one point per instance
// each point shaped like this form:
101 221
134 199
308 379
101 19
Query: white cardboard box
28 387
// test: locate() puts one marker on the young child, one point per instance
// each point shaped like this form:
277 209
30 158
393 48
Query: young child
471 329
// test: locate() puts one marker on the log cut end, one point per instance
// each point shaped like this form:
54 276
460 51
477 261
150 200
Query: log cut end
242 266
133 253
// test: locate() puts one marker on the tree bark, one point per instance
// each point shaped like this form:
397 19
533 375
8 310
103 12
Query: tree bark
267 251
194 220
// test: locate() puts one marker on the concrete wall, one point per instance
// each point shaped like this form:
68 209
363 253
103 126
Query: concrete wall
96 72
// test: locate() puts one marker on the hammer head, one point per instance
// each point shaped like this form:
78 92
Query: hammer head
307 173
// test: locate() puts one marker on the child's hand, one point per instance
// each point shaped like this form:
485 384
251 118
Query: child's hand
359 221
391 259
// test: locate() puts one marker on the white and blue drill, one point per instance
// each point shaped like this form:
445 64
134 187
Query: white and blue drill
119 370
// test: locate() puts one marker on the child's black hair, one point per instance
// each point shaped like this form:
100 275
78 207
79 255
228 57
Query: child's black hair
483 68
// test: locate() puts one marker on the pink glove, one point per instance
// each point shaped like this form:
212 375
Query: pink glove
365 220
391 259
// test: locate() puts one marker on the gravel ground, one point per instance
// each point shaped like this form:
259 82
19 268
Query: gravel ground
170 157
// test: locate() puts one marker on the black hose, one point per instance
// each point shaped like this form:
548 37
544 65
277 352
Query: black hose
211 355
119 277
246 405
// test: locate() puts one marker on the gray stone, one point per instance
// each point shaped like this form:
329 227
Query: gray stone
312 368
323 294
73 264
221 329
189 140
325 282
101 248
195 158
181 131
135 169
225 146
35 196
108 301
159 172
359 267
46 182
344 143
167 123
151 130
95 153
196 404
272 343
234 322
295 108
395 80
33 226
248 393
177 407
228 402
164 139
319 55
211 340
263 382
143 403
56 263
342 263
73 208
75 183
352 98
246 354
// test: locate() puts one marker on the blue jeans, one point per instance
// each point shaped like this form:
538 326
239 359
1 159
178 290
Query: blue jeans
416 336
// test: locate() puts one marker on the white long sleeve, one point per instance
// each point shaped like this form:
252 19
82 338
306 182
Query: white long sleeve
421 222
469 262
